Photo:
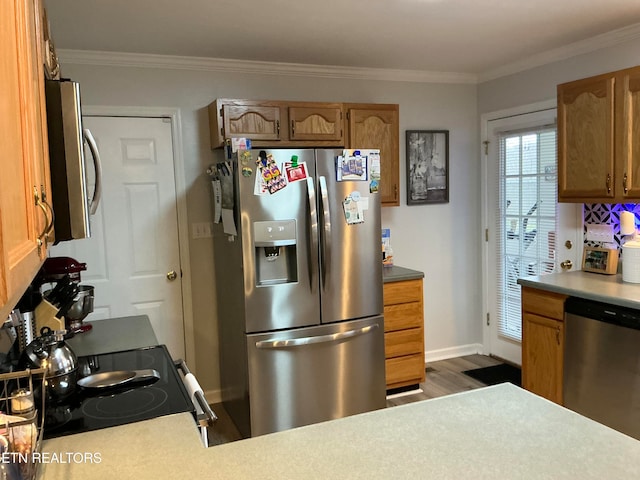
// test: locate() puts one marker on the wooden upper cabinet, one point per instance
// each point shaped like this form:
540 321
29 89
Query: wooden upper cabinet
261 123
243 119
24 218
598 143
377 126
628 133
586 139
319 122
281 124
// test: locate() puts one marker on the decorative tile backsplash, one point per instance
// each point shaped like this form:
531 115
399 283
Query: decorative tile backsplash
607 213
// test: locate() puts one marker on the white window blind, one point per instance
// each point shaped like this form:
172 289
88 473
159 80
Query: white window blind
526 220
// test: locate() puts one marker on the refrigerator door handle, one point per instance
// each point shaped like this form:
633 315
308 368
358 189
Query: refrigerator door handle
326 230
299 342
313 232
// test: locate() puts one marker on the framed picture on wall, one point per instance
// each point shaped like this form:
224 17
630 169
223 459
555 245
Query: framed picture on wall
427 166
600 260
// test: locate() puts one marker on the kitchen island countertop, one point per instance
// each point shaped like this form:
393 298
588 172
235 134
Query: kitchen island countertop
399 274
493 432
592 286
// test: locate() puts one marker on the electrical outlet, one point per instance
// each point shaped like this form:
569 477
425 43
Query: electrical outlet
600 232
202 230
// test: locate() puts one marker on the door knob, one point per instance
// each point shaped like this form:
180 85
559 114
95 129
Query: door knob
172 275
566 265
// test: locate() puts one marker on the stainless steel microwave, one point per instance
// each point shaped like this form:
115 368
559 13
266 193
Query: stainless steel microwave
71 202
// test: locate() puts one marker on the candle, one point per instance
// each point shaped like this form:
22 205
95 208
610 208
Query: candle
22 402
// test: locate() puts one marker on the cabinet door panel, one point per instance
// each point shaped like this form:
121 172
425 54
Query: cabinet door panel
402 292
403 315
407 370
378 128
254 122
315 123
586 139
403 342
542 356
628 133
21 136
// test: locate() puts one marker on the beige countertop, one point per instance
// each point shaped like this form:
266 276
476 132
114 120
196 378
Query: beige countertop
492 433
592 286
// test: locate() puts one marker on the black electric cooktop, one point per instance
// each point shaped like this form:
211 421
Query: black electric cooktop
91 410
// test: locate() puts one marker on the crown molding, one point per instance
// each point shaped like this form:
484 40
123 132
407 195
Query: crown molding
609 39
140 60
121 59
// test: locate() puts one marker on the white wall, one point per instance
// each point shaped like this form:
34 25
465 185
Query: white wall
540 83
441 240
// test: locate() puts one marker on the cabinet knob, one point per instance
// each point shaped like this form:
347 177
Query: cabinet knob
608 183
624 184
566 265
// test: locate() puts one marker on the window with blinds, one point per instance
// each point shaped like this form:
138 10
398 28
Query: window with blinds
526 220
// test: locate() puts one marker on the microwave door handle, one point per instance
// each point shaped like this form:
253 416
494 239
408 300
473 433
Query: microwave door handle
97 191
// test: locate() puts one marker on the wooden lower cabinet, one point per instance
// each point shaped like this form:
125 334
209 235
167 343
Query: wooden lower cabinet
404 333
543 343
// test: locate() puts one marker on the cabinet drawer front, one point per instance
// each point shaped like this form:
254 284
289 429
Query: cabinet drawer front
403 315
404 370
403 342
547 304
402 292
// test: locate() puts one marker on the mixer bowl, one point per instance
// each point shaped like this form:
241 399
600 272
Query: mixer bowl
83 304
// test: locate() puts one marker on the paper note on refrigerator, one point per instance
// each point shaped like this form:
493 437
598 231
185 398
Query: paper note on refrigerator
373 159
353 212
228 222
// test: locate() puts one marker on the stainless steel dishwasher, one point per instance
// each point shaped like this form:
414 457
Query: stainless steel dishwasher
602 364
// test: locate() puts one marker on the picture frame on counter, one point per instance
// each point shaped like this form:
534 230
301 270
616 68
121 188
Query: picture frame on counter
600 260
427 166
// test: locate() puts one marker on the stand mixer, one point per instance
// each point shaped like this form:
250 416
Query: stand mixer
74 301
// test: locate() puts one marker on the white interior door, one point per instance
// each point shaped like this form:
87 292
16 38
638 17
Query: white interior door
529 232
134 243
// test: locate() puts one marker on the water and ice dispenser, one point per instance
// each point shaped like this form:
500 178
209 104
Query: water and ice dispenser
275 252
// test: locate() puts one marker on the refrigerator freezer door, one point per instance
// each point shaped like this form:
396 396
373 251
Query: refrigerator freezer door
279 248
350 254
310 375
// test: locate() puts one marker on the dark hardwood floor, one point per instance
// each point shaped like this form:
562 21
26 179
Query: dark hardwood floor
443 378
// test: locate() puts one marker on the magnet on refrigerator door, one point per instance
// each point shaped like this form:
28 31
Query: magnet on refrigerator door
351 166
295 173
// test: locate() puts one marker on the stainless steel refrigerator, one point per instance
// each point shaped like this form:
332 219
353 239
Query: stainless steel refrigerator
299 293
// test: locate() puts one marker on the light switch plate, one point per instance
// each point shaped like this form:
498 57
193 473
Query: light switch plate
201 230
600 232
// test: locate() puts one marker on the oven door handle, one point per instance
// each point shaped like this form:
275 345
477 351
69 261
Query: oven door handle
209 416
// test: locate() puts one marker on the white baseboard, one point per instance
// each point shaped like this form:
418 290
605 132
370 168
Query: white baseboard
213 396
451 352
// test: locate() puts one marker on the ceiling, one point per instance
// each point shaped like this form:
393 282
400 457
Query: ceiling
474 37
